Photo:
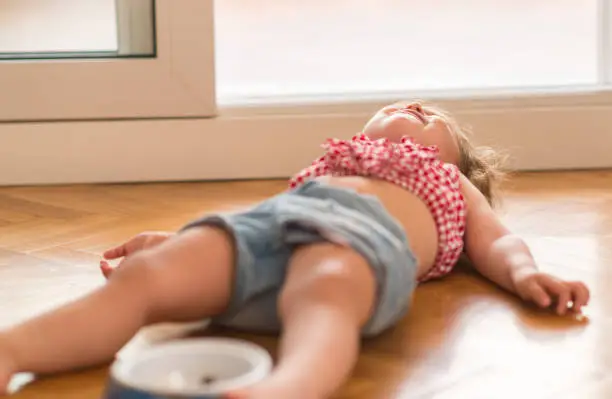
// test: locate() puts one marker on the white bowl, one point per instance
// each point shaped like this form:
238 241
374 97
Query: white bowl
198 367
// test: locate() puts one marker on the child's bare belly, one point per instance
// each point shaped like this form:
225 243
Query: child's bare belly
405 207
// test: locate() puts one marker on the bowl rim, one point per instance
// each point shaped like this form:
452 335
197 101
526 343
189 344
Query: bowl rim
259 358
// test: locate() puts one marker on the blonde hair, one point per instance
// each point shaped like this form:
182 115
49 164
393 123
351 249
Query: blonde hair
483 166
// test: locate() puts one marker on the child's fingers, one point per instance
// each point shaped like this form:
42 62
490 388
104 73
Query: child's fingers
539 295
125 249
135 244
560 291
563 300
117 252
580 295
106 269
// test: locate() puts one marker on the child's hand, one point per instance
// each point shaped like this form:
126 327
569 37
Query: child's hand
135 244
544 290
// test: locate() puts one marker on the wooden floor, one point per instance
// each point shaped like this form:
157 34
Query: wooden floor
464 338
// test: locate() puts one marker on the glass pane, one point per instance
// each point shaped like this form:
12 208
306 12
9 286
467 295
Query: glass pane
68 28
275 48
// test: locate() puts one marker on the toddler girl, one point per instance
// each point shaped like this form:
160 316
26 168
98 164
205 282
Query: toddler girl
333 259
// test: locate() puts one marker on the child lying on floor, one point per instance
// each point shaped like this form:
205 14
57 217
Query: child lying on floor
334 258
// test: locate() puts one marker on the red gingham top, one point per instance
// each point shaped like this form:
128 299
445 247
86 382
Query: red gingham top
413 167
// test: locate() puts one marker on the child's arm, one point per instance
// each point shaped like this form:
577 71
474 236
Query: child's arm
505 259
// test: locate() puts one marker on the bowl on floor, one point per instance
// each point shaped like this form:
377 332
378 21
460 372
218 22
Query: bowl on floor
202 368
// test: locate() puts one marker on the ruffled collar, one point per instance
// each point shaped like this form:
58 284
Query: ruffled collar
401 161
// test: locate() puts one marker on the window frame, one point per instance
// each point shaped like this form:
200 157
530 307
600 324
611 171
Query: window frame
177 82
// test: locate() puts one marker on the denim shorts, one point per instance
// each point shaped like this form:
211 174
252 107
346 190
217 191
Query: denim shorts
266 235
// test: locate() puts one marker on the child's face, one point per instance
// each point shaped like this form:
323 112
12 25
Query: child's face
423 125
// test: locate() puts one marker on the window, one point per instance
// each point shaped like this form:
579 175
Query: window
32 28
365 47
133 90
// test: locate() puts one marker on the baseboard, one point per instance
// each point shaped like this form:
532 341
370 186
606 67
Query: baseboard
272 146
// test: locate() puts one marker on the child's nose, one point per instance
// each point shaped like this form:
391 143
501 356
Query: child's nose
417 107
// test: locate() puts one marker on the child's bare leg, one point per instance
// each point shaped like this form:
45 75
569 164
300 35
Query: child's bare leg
328 296
186 278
